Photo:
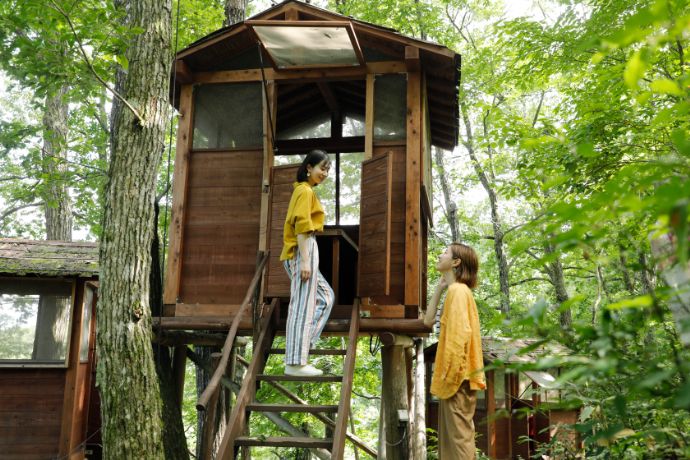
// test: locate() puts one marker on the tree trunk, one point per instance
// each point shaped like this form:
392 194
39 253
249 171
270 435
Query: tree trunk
235 11
501 259
555 272
58 208
451 210
393 398
131 407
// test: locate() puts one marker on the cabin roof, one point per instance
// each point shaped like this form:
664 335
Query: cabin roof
48 258
507 350
224 48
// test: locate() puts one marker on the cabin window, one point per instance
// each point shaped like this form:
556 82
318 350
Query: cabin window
35 321
500 388
313 128
353 125
228 116
300 46
390 107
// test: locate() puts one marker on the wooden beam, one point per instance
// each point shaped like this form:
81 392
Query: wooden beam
413 232
237 29
412 58
269 122
343 145
183 74
369 118
329 97
339 73
291 14
177 219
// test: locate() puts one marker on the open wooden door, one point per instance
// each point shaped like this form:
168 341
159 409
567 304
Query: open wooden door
375 227
278 283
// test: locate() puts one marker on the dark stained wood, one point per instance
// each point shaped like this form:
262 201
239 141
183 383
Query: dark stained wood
222 226
375 227
412 191
308 408
177 219
295 378
238 417
302 442
340 432
277 281
316 351
229 341
342 145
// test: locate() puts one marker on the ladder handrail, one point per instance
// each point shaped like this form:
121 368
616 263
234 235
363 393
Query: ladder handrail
213 384
340 432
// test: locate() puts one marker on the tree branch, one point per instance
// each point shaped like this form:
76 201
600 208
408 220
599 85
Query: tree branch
11 211
89 64
536 113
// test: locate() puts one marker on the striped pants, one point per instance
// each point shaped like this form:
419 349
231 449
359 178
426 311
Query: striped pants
311 302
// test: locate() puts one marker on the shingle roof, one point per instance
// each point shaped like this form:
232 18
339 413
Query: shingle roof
48 258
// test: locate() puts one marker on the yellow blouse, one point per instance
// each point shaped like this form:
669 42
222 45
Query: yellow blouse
459 353
305 215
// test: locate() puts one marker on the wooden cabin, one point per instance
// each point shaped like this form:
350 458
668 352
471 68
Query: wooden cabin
47 344
515 405
255 96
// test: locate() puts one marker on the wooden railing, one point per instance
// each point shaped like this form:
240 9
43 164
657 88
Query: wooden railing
340 432
213 384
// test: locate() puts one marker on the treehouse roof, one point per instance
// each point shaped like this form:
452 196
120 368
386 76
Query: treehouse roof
48 258
235 48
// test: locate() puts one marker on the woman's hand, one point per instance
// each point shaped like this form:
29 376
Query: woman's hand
305 270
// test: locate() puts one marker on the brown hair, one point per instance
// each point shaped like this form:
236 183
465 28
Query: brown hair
466 272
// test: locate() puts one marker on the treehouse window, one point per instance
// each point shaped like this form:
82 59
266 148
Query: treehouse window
35 321
228 116
313 128
297 45
390 107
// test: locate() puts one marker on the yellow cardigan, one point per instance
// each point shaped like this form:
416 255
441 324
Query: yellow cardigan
305 215
459 353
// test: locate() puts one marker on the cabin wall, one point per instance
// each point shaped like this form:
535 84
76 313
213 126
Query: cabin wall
31 403
397 269
221 228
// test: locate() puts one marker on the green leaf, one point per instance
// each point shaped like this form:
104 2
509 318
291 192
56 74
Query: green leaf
666 86
634 70
643 301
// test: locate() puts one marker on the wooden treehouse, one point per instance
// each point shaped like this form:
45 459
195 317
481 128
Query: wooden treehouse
254 96
48 402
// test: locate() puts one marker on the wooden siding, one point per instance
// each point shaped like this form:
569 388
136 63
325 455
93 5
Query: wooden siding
30 413
278 284
221 229
397 260
375 227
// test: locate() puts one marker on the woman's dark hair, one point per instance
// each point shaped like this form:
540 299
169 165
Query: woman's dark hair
313 158
466 272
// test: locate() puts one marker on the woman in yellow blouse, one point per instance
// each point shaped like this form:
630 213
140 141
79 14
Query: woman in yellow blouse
458 369
311 297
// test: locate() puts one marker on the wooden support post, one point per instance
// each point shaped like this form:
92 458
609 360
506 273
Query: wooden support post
419 415
369 118
269 123
177 218
209 433
490 412
393 398
179 368
412 191
412 59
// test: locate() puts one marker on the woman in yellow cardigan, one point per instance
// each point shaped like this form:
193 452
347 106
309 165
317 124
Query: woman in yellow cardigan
311 297
458 369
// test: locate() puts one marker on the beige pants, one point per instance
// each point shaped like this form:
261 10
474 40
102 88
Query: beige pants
455 425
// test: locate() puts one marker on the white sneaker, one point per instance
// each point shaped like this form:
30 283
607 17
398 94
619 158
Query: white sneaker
302 371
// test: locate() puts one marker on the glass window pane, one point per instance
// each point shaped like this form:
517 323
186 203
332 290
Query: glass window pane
292 46
316 127
500 388
353 125
228 116
350 187
390 107
34 320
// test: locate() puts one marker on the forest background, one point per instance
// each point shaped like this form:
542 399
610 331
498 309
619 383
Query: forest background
571 178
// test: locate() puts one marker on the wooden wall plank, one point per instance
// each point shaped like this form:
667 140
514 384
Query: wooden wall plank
412 190
177 219
369 118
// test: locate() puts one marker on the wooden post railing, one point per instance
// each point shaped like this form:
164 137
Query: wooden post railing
213 384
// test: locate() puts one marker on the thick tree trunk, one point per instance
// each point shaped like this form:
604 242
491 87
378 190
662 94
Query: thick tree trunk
235 11
501 259
58 207
131 407
451 209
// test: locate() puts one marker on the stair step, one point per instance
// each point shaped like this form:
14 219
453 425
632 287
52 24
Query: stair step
283 442
316 351
298 378
261 407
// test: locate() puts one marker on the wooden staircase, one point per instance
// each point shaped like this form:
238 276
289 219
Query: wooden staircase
234 437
